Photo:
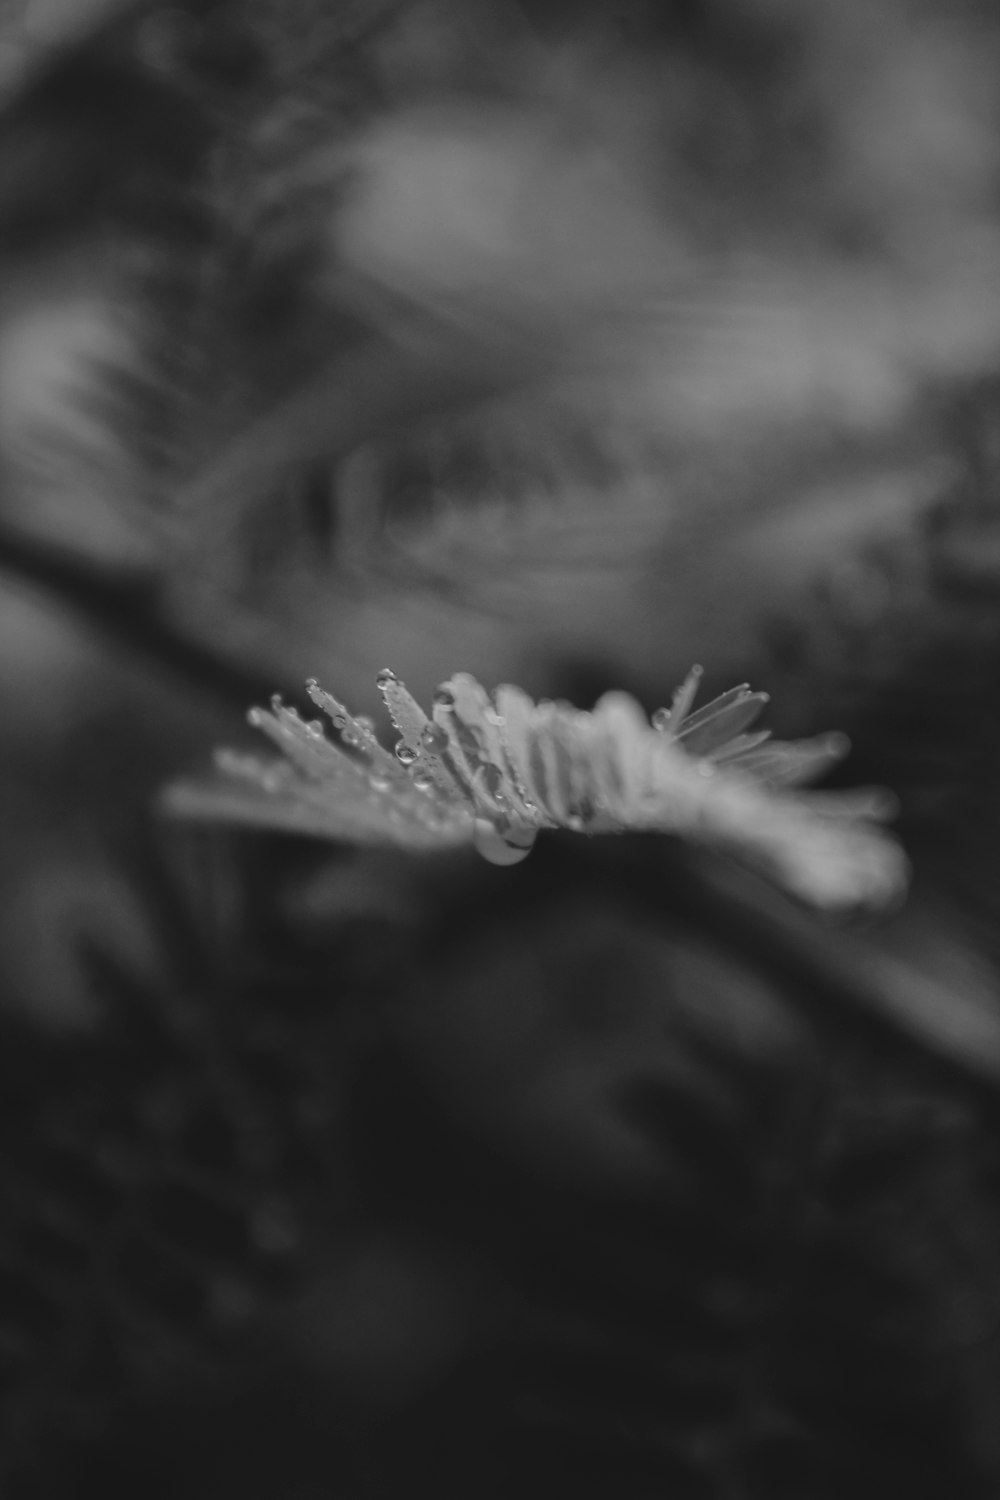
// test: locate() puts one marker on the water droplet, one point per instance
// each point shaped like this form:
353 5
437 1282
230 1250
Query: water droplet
339 721
379 783
423 782
435 738
491 781
406 754
386 678
312 685
364 722
661 719
502 848
836 743
350 739
255 717
315 728
444 698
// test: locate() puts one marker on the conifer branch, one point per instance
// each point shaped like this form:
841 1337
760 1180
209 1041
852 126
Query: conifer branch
834 971
125 608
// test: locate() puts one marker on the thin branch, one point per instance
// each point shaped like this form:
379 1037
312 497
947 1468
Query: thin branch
837 972
836 975
126 610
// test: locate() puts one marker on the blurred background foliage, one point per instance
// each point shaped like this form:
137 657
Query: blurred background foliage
562 344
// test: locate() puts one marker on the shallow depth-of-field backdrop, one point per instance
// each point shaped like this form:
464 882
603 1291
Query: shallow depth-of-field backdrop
567 345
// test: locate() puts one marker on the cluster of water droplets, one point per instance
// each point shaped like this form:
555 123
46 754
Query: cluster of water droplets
447 753
495 768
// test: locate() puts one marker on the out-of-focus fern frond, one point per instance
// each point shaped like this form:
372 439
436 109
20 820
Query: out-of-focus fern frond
657 1336
910 620
159 1168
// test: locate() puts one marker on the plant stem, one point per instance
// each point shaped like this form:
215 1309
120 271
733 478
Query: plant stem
125 609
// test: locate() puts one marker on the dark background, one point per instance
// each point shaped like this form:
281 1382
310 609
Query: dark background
565 345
